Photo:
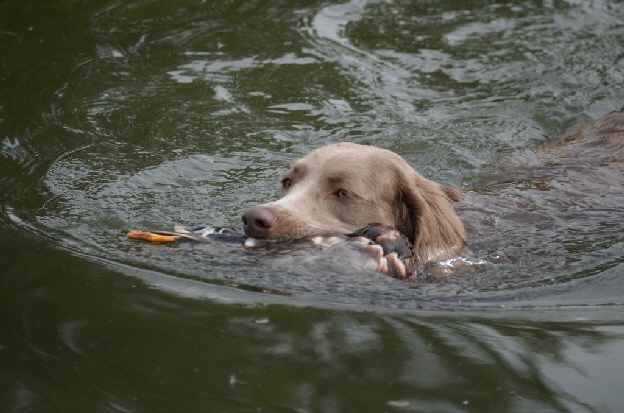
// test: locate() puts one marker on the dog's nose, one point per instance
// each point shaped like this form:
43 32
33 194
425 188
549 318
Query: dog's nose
257 222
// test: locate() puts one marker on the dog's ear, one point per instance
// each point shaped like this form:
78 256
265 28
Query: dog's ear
425 215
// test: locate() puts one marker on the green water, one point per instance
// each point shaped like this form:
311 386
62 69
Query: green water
126 114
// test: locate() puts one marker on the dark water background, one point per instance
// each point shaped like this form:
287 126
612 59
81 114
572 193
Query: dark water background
124 114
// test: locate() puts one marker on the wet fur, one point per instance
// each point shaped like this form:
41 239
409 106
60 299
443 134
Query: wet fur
382 188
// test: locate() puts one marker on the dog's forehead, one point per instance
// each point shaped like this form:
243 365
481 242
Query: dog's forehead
346 164
344 154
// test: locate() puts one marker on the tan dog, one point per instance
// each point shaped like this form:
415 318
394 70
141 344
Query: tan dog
342 187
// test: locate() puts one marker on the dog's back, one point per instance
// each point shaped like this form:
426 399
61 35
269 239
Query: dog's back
602 139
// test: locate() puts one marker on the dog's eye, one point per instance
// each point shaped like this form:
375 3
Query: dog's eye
286 182
342 193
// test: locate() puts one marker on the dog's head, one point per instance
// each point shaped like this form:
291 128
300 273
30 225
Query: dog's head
342 187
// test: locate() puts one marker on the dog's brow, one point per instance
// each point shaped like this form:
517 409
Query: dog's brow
298 169
335 179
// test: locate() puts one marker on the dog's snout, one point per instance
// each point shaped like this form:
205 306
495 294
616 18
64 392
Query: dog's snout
258 221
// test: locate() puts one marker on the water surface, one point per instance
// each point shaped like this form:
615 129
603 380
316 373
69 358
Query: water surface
124 114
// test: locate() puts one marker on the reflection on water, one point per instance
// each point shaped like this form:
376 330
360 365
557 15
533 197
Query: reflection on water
143 350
